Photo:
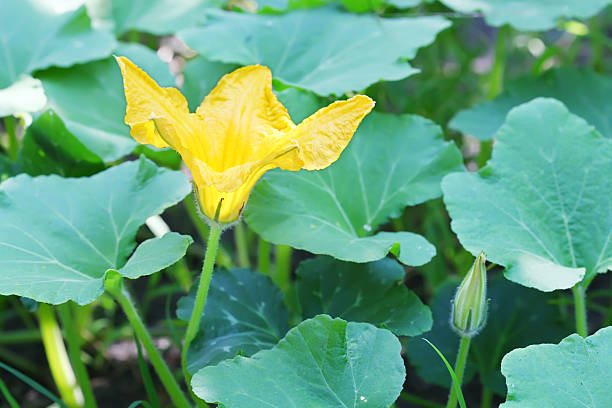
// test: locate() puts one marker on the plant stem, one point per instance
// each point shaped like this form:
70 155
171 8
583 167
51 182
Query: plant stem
13 146
487 398
200 301
58 358
242 247
74 352
496 81
580 310
282 271
115 288
263 256
464 349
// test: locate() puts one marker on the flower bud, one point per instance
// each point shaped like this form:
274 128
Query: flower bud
469 311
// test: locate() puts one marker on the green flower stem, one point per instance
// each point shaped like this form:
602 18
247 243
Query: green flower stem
223 258
242 246
263 256
496 81
74 352
580 310
200 301
464 349
62 372
13 146
114 286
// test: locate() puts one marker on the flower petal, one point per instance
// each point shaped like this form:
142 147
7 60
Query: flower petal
322 136
242 118
145 101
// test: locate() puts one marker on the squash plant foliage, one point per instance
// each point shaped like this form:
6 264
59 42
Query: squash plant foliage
332 168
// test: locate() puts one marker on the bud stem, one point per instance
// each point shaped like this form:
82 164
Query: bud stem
460 363
580 310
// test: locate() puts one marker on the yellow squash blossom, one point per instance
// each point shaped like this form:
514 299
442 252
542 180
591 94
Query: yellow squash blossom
239 132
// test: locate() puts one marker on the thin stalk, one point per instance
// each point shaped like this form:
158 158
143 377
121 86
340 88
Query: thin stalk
462 355
62 372
496 80
10 400
282 271
115 287
20 337
13 142
486 398
74 352
580 310
242 246
263 256
198 308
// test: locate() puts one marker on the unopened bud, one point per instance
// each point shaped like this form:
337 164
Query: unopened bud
469 312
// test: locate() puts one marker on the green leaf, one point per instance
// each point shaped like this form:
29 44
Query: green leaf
244 313
34 38
60 236
518 316
372 293
156 254
24 95
539 208
402 4
528 15
159 17
584 92
392 162
49 148
574 373
322 50
321 363
300 104
201 76
90 100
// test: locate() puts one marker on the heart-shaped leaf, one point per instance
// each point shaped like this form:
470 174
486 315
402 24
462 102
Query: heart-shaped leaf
49 148
392 162
540 206
244 313
528 15
323 362
373 293
60 236
34 38
585 93
517 317
575 373
89 99
321 50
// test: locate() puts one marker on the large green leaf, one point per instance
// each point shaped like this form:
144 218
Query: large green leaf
540 207
34 38
323 50
517 317
244 313
586 94
373 293
49 148
321 363
60 236
528 15
392 162
576 373
159 16
90 100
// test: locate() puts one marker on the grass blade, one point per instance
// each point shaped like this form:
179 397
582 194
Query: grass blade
146 377
7 395
456 384
38 387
